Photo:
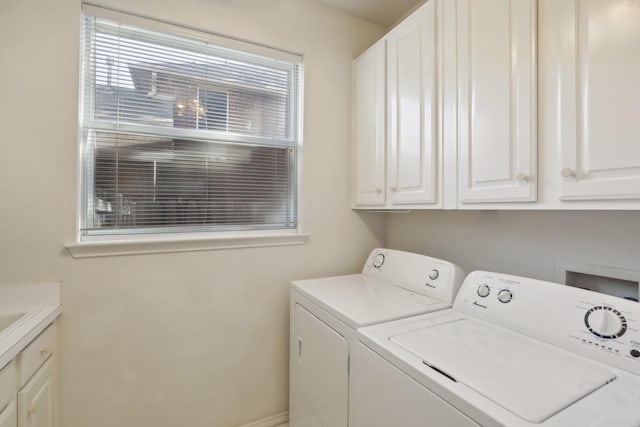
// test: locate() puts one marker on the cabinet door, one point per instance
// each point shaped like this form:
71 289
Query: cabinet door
369 127
497 90
8 416
413 111
600 96
36 400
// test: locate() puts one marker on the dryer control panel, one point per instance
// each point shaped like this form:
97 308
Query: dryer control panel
422 274
598 326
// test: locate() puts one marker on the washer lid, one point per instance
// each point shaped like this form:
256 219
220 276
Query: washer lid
359 300
529 378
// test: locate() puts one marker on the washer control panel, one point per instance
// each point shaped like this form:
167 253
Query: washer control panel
605 322
611 326
504 295
596 325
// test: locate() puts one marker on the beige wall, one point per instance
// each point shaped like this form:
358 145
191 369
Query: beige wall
198 338
525 243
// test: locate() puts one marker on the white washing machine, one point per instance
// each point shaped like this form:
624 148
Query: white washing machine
511 352
326 312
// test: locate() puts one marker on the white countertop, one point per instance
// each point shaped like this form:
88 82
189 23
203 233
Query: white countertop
38 304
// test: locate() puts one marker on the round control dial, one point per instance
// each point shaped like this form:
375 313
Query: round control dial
505 295
484 290
434 274
378 260
605 322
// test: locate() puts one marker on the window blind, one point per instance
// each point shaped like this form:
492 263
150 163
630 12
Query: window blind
180 134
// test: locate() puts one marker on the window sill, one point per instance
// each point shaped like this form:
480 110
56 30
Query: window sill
101 248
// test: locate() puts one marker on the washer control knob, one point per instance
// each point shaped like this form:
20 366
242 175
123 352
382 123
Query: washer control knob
434 274
505 296
484 290
378 260
605 322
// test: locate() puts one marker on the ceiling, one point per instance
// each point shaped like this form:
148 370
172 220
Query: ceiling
380 12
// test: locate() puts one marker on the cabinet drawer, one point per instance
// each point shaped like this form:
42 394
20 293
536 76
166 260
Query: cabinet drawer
35 354
9 417
7 385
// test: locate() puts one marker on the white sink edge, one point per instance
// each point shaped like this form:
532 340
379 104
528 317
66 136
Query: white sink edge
9 321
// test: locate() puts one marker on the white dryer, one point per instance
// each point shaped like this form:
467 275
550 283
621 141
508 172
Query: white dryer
326 312
511 352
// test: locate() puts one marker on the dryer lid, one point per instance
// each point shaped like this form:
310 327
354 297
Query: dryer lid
527 377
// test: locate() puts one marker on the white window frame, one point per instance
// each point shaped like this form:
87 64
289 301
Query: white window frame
135 243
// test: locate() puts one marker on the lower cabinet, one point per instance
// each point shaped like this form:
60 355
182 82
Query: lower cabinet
36 398
27 387
9 415
8 381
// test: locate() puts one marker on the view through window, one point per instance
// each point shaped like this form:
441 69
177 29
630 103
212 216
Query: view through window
185 134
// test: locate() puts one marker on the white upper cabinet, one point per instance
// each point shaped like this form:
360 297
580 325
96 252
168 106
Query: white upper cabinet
497 100
412 109
501 104
599 81
369 107
396 149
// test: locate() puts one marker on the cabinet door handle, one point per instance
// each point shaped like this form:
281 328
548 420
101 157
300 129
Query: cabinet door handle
44 350
299 350
567 173
378 190
33 408
394 189
522 177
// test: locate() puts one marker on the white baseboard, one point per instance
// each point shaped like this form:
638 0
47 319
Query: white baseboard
277 420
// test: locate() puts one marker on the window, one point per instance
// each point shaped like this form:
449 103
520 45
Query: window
183 131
